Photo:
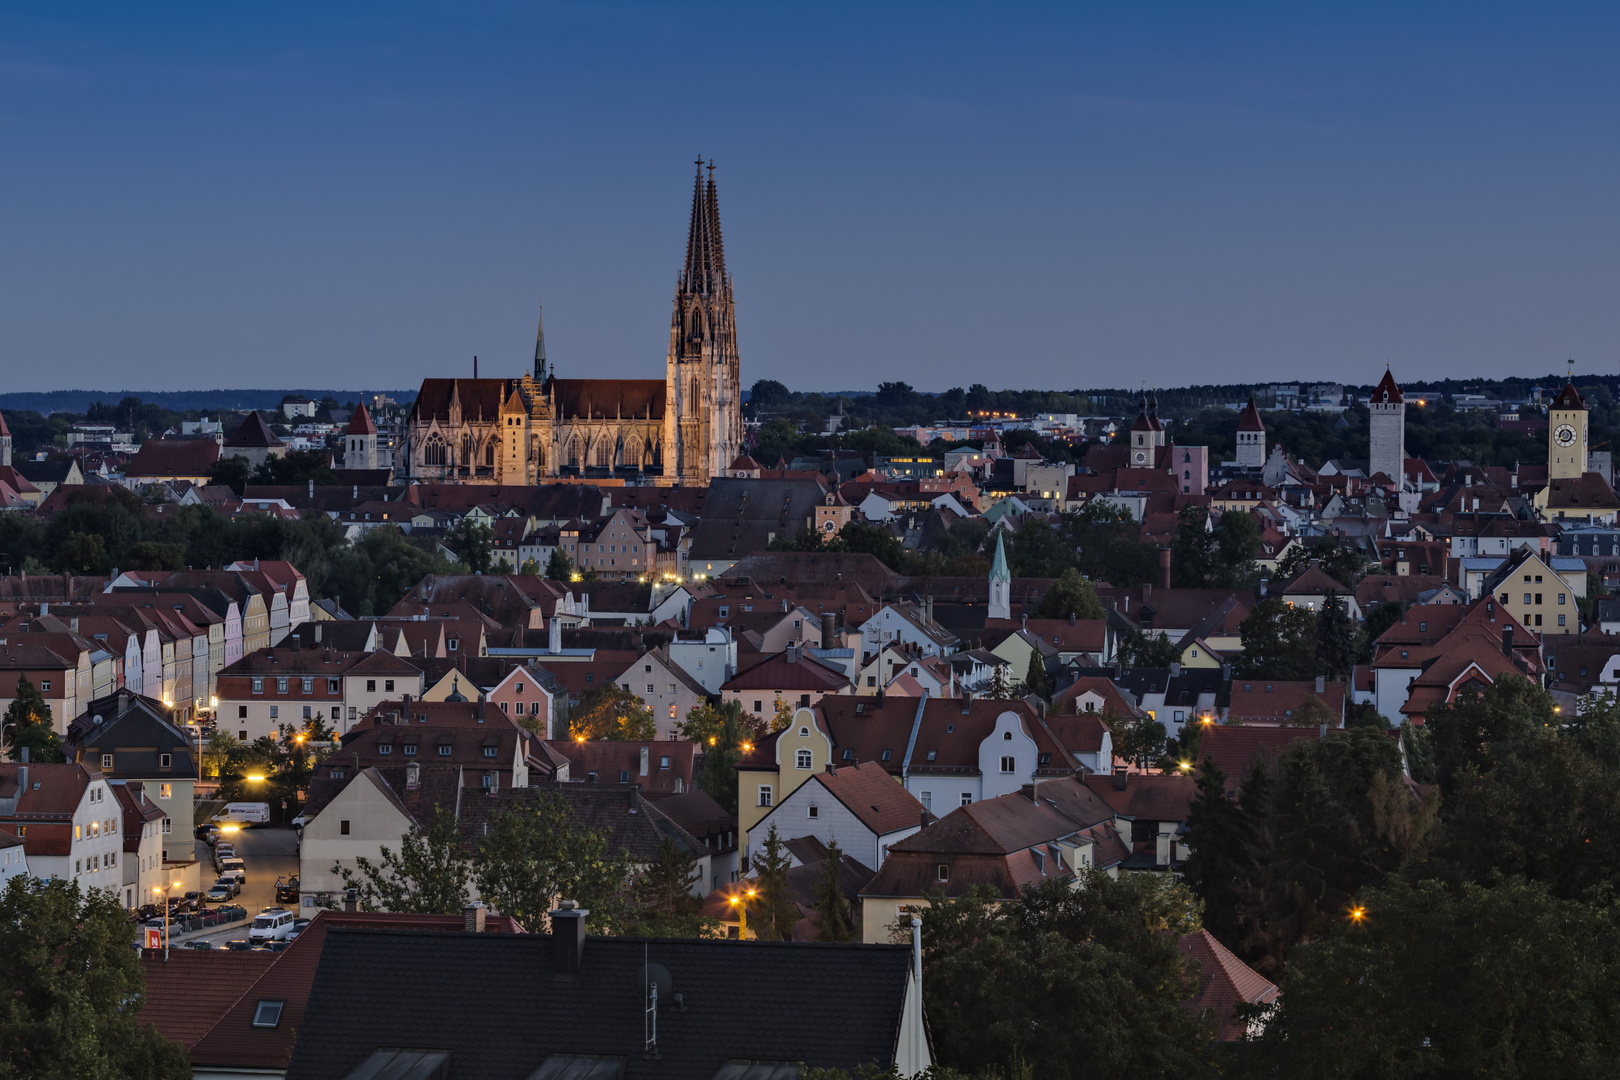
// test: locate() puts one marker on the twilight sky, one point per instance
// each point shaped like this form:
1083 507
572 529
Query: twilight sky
358 195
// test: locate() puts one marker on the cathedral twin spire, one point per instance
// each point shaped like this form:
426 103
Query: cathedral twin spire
705 272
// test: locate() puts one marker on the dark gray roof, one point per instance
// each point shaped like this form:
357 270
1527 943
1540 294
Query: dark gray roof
496 1005
741 516
135 730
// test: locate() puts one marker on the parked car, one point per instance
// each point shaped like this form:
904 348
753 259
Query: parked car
228 881
206 831
234 865
287 890
221 893
239 945
271 924
203 945
279 946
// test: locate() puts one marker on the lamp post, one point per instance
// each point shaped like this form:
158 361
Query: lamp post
741 904
164 892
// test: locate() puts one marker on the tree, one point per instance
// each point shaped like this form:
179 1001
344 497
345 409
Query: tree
774 910
474 544
297 467
536 852
1137 739
558 568
73 988
783 716
82 553
722 731
530 568
27 725
1035 678
1192 550
767 394
1065 982
662 901
1038 550
834 920
1071 596
1001 686
429 876
1237 543
1381 618
1221 866
233 472
1338 639
612 712
1139 649
1279 641
1417 985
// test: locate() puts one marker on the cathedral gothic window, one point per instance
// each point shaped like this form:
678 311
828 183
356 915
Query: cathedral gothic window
433 452
632 453
604 453
573 453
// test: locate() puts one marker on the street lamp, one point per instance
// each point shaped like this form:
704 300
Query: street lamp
164 892
741 904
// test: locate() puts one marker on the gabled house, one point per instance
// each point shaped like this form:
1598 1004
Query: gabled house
788 676
664 687
130 738
859 807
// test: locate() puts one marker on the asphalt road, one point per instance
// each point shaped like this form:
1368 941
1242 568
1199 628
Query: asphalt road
269 853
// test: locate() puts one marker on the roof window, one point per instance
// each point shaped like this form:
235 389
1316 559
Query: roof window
268 1014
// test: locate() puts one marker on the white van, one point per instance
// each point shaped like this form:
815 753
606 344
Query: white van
271 924
234 866
245 813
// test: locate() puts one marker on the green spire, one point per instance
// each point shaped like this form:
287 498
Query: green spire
998 569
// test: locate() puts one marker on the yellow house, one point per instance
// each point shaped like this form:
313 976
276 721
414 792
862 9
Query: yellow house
1536 595
1199 653
776 767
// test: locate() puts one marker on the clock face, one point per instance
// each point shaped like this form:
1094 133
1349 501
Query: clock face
1565 435
1140 456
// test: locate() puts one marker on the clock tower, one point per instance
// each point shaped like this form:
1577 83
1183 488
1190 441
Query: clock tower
1566 435
1147 434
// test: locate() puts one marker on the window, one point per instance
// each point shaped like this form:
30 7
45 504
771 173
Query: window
591 677
353 711
764 795
281 685
385 748
1007 735
165 791
967 797
343 827
758 706
165 761
1526 598
1560 620
801 759
106 761
44 686
410 749
849 754
650 690
672 712
489 780
306 712
275 711
166 827
1423 628
814 810
663 761
371 686
932 754
268 1014
1538 598
928 800
1008 764
944 872
1560 599
886 755
241 712
388 685
871 680
489 751
444 749
258 685
332 686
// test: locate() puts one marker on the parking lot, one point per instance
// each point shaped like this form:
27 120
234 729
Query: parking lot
269 853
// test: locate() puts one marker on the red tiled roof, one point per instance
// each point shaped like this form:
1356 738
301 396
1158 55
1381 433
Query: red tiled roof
360 423
1235 748
1224 981
1147 796
873 796
1387 393
188 993
1278 701
173 457
778 672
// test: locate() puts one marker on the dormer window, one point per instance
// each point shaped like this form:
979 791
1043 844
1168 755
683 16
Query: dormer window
268 1014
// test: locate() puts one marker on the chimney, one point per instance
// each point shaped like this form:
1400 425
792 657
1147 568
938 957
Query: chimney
1507 650
554 645
1321 683
1164 568
567 937
792 654
1122 777
317 633
413 776
829 631
646 755
1147 592
472 917
351 902
1175 669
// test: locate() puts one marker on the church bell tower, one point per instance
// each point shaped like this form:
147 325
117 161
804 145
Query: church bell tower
703 414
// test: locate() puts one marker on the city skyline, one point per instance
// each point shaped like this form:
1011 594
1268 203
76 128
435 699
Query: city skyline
1038 200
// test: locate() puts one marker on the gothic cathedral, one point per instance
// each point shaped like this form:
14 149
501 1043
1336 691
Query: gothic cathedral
684 428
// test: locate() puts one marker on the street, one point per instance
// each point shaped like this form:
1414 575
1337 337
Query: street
269 853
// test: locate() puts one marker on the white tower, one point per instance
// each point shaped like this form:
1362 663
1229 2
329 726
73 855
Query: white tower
1251 438
1386 430
360 441
1000 584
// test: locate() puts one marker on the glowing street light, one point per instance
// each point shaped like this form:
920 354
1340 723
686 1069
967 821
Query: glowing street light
1357 914
254 778
741 904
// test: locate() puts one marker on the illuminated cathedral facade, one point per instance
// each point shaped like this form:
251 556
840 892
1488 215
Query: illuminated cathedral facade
683 428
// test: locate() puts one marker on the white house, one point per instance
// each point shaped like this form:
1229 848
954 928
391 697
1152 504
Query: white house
858 807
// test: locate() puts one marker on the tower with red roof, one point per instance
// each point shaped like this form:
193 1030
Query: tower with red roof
1386 429
1251 438
360 441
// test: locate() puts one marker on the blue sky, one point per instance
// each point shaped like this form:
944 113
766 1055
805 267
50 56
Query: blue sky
1075 195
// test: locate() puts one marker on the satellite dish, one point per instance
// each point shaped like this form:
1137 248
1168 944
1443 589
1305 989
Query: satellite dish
655 973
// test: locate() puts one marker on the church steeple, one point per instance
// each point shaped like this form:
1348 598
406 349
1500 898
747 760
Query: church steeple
705 272
540 349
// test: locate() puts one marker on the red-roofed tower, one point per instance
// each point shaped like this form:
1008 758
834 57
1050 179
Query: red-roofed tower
1386 429
360 441
1251 438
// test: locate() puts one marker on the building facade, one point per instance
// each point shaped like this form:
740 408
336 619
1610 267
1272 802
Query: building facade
683 428
1386 430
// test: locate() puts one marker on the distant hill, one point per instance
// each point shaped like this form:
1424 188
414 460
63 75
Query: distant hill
77 401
